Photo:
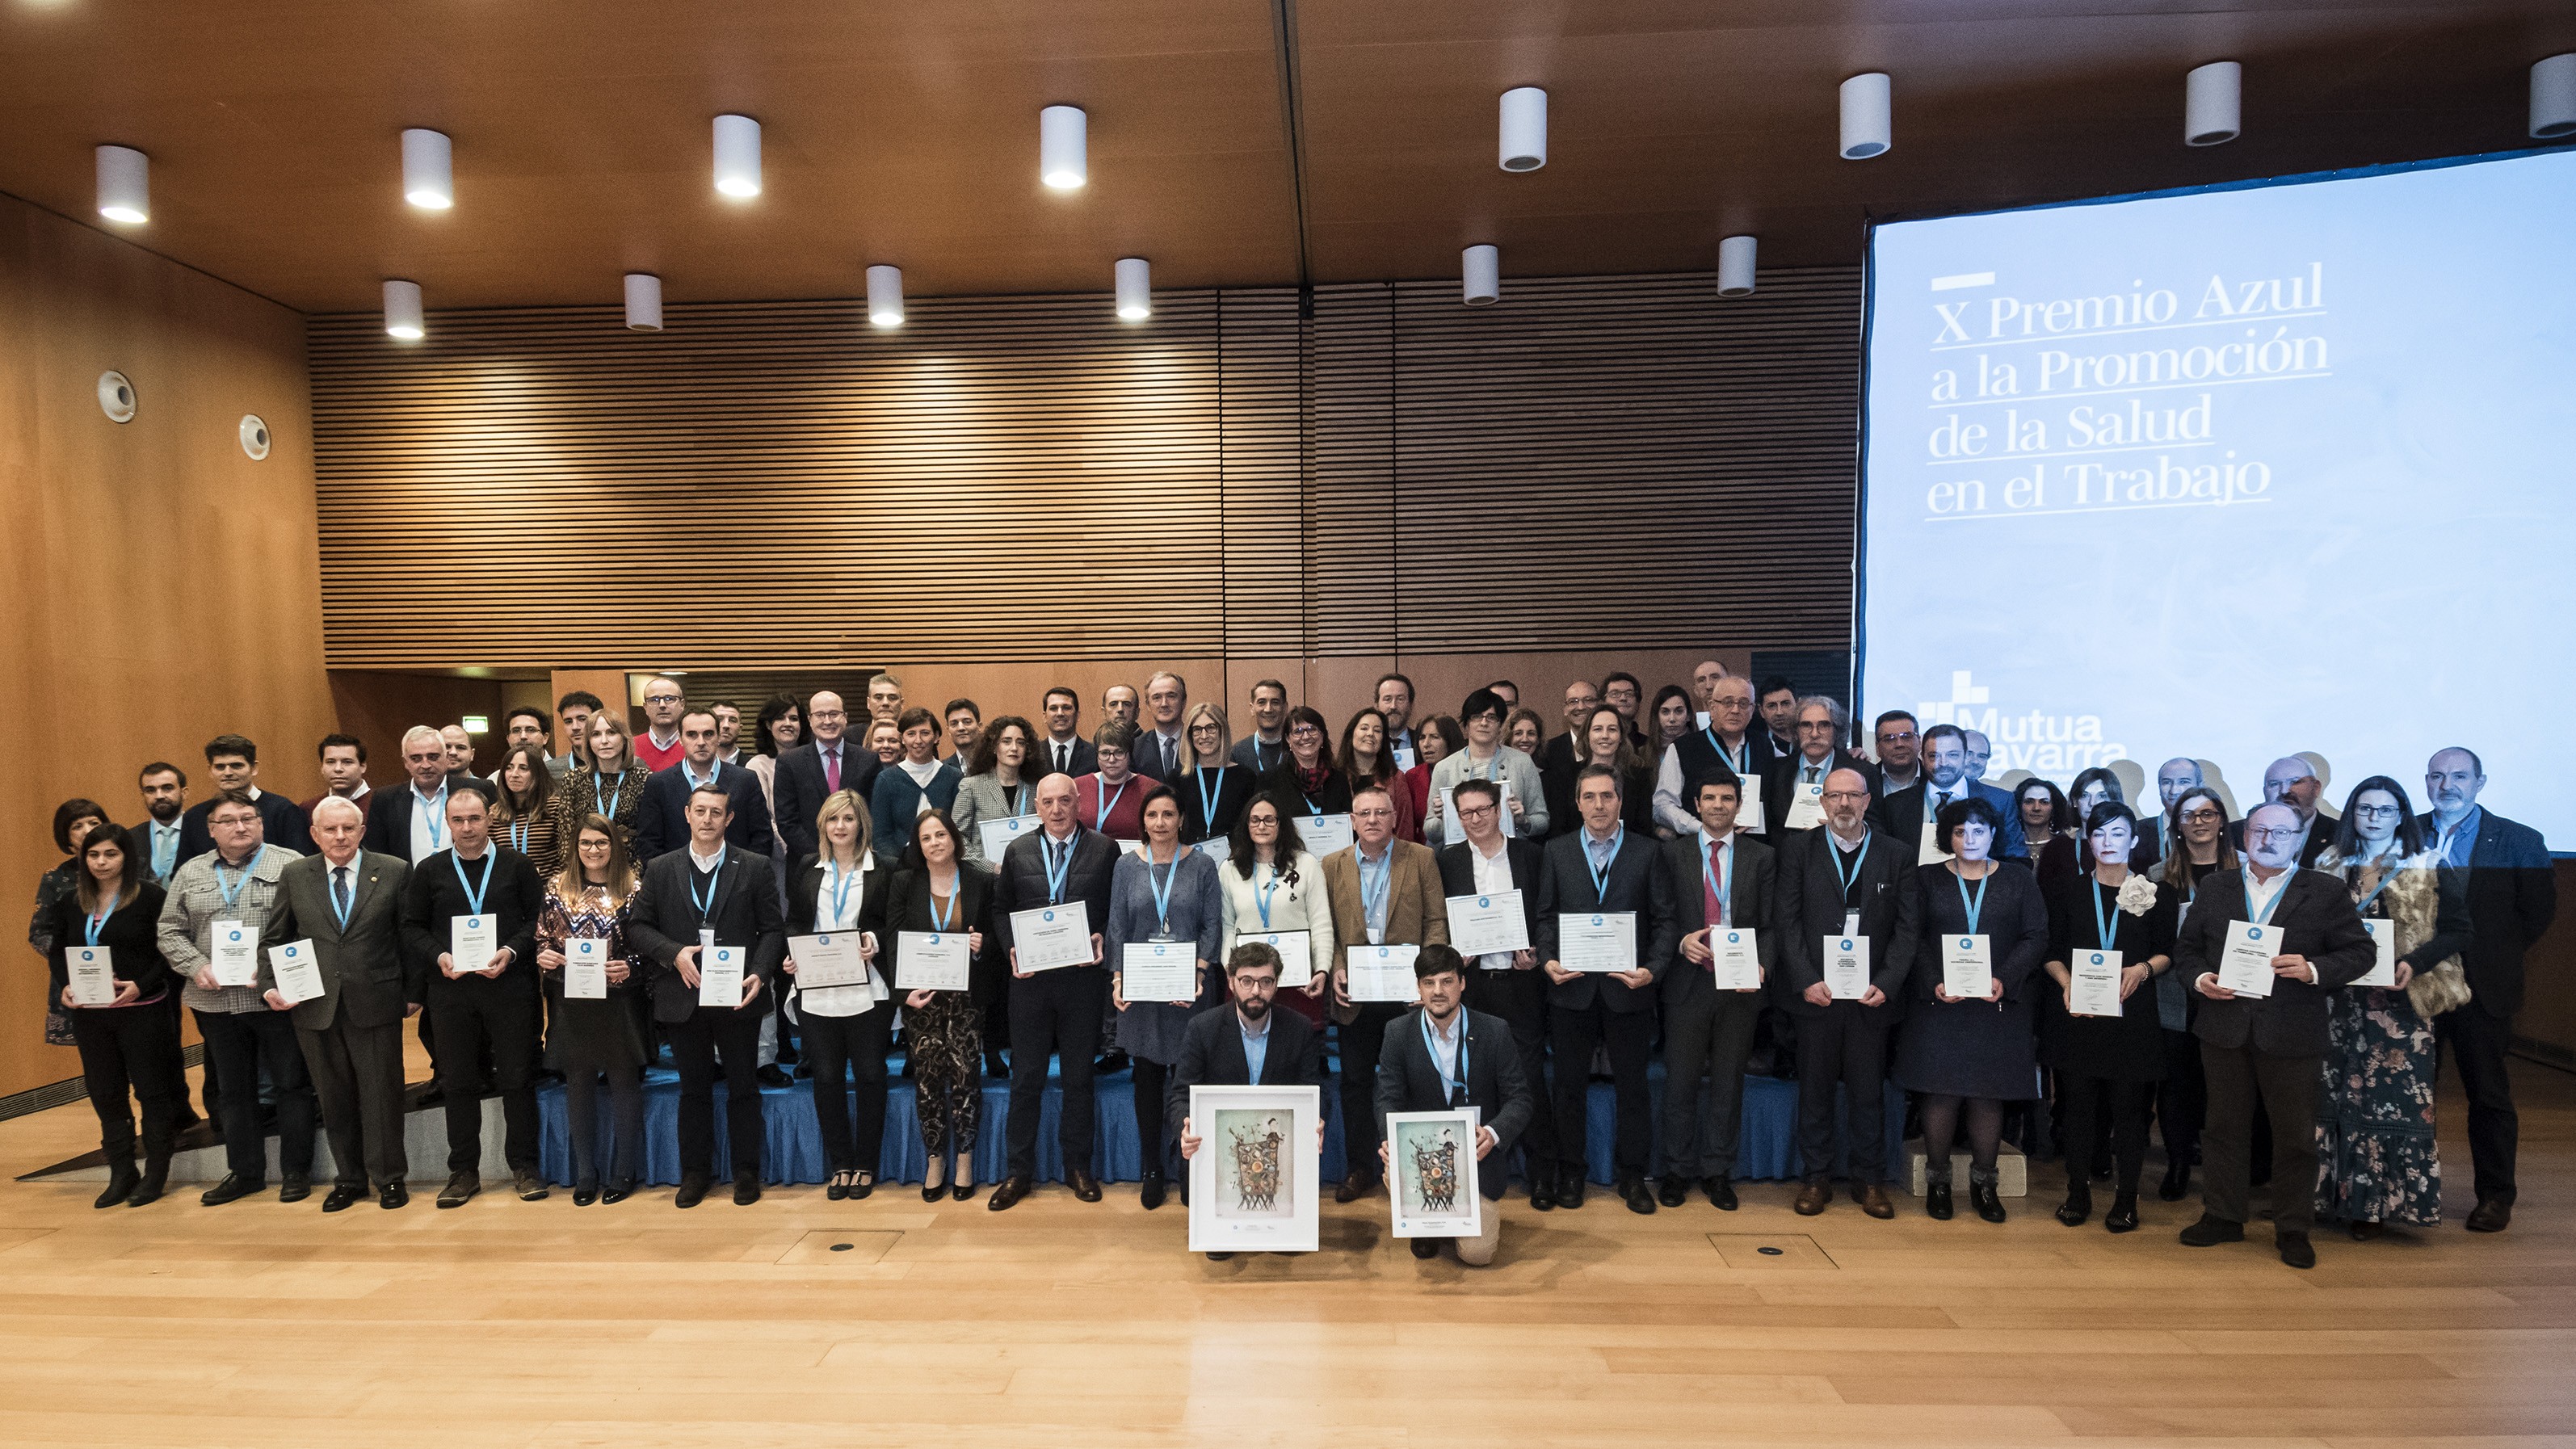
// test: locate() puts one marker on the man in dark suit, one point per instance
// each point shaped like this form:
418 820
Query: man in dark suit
808 775
1722 886
1243 1044
1819 727
1845 881
344 773
410 824
1056 1012
1441 1057
663 824
1064 751
1598 870
234 762
1945 767
1383 892
1157 752
1509 984
348 904
2267 1048
711 893
483 1007
2513 896
1558 759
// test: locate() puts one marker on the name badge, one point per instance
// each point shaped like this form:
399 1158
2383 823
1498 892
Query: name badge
1851 923
586 968
235 954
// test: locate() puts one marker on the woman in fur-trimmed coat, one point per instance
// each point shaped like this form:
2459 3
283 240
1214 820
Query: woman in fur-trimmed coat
2375 1133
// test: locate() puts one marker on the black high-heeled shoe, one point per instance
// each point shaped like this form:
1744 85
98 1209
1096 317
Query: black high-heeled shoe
2177 1182
2123 1216
2077 1210
1936 1201
1989 1201
862 1184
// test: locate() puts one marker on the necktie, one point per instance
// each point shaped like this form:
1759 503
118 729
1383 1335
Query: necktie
832 771
340 890
1811 774
1064 759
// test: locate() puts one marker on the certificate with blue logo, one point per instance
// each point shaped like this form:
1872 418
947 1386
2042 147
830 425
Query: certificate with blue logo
1736 959
1050 937
2245 967
1488 925
1601 941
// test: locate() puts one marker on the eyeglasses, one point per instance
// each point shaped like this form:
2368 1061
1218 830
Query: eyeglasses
1379 812
2266 836
1474 812
2202 817
1307 731
662 699
2378 812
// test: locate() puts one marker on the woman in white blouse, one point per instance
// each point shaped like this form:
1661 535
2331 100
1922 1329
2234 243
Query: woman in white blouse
842 889
1272 887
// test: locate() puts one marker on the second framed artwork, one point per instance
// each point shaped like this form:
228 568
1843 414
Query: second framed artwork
1253 1183
1431 1169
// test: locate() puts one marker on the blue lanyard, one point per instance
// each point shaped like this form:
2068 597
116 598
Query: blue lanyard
1743 752
105 910
1207 803
1020 804
1311 807
437 815
1601 872
1975 907
1447 1082
939 919
232 893
1259 765
1162 892
519 836
1860 857
1057 869
1373 897
835 880
2101 919
605 798
473 893
2269 906
1262 891
1100 817
707 903
1716 879
2360 907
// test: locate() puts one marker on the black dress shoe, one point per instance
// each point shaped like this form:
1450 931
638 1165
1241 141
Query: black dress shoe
746 1188
2295 1248
1542 1189
121 1183
1936 1201
1569 1190
2077 1210
614 1194
693 1190
233 1188
1008 1193
2210 1231
2177 1181
341 1196
1634 1193
1426 1247
1989 1201
295 1187
1672 1192
393 1195
862 1185
1721 1193
2491 1215
836 1190
1149 1191
1355 1186
1085 1186
1111 1061
2123 1216
771 1076
584 1194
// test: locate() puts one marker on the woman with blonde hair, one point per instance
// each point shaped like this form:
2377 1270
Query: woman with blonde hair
603 1034
841 889
1212 788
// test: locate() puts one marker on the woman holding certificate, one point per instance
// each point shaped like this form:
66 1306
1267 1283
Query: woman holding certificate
1212 787
1316 792
612 786
996 790
107 972
2375 1150
1274 891
1966 1044
598 1007
2110 936
935 900
1166 913
844 1009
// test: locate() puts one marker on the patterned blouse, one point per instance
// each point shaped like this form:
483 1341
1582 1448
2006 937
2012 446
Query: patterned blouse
586 915
585 793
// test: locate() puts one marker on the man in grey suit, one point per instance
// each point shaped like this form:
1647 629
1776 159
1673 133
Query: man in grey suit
1722 893
347 903
1441 1057
1243 1044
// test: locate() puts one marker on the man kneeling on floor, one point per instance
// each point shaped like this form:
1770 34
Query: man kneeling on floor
1443 1057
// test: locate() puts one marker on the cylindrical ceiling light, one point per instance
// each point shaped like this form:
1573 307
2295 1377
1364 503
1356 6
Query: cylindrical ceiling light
1135 288
1735 267
2553 97
2212 96
1482 269
885 296
1524 129
124 185
1867 130
403 317
429 176
738 156
1064 147
643 302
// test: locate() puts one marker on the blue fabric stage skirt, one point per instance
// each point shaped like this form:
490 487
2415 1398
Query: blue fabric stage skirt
1768 1148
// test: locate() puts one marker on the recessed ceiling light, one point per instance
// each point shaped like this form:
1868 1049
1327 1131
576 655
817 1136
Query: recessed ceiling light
1865 124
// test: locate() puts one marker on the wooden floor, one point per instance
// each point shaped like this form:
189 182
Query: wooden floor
508 1323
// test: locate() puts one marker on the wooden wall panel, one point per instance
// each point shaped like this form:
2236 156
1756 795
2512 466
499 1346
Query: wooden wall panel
161 585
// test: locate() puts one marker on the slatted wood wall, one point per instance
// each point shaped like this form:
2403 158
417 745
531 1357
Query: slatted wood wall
1612 462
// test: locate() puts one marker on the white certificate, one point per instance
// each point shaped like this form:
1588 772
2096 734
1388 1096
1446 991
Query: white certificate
996 835
1928 851
2094 988
827 959
934 960
1597 940
1158 971
1487 925
1456 832
1846 961
1383 973
234 951
1048 937
1806 807
1324 834
93 978
1296 955
472 941
2245 966
1967 966
586 968
299 976
1738 960
1218 849
720 977
1130 847
2383 971
1748 814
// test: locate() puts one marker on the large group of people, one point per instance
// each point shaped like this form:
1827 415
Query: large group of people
1473 910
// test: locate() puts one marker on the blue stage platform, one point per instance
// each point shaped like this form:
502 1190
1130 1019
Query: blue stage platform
1768 1148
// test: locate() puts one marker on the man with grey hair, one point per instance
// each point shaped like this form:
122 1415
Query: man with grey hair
411 823
1822 723
2175 776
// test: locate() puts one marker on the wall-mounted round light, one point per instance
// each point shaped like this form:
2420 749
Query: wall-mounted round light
1867 125
116 397
1064 147
124 185
1524 129
2212 99
429 172
738 157
1135 288
643 302
1481 269
403 317
885 296
254 436
1735 267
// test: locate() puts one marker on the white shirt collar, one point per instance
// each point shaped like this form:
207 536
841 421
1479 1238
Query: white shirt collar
708 863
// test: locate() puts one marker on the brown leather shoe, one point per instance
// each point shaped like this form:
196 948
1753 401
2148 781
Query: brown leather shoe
1875 1202
2492 1215
1814 1196
1354 1187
